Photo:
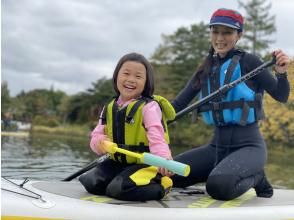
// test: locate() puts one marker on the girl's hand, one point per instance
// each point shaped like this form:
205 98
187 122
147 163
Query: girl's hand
282 62
99 145
164 171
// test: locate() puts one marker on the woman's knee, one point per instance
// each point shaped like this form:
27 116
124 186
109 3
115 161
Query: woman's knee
221 187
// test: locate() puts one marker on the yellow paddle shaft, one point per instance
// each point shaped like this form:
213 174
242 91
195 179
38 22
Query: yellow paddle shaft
112 148
150 159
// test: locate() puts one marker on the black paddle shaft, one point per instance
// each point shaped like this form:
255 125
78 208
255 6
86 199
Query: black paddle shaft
88 167
224 89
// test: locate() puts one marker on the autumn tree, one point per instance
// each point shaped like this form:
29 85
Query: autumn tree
278 126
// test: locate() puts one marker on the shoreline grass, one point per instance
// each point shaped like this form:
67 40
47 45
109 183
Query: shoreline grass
71 130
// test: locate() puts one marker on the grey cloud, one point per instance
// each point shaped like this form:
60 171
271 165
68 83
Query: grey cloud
71 43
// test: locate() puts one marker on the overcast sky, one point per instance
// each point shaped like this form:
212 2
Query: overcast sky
68 44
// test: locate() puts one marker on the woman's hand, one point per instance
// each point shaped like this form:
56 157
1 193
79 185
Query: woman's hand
282 62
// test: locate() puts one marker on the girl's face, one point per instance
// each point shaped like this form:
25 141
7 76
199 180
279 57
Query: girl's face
223 39
131 80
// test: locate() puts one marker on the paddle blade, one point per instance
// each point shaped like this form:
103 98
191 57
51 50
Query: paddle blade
174 166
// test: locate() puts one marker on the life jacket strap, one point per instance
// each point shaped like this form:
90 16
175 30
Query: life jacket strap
234 62
141 148
130 116
242 104
212 106
245 112
104 111
103 115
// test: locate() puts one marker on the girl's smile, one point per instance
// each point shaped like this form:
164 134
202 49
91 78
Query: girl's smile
131 80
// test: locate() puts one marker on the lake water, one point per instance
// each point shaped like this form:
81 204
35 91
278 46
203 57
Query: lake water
45 157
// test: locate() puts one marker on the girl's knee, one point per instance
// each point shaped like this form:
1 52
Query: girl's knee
115 188
93 184
125 189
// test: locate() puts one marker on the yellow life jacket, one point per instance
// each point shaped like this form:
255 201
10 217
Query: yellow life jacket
125 127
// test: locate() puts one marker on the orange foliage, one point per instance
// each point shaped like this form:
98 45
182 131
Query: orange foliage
278 125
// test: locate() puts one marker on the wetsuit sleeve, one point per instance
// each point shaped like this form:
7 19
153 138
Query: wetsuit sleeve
185 96
277 86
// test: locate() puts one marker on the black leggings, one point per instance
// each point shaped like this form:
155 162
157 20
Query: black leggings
230 165
113 179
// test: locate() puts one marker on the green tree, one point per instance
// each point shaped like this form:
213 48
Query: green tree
38 102
178 56
78 108
5 97
55 98
85 106
42 101
259 25
63 109
175 61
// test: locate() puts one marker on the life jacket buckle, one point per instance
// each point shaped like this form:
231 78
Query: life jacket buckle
130 120
216 106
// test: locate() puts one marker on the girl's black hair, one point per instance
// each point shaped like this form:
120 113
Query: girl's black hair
149 85
203 70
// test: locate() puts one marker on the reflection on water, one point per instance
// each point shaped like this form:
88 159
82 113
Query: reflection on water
46 157
43 157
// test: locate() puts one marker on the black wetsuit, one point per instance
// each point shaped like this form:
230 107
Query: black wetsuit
234 160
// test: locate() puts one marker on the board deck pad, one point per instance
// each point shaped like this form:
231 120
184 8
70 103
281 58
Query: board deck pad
191 197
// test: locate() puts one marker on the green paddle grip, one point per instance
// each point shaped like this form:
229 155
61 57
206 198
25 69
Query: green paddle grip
174 166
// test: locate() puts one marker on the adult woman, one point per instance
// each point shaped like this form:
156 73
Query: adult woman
234 160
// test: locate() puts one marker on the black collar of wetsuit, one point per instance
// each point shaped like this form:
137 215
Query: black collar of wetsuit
229 55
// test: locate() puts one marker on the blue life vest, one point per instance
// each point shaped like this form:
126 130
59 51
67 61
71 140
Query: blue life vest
240 105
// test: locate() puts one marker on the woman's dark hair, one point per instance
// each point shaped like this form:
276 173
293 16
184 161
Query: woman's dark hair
149 85
203 70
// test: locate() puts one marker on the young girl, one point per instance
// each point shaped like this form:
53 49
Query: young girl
136 121
233 161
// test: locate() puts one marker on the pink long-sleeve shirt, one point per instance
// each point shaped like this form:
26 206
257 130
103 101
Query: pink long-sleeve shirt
152 116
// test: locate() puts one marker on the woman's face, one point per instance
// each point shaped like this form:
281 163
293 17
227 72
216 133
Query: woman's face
131 80
223 39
